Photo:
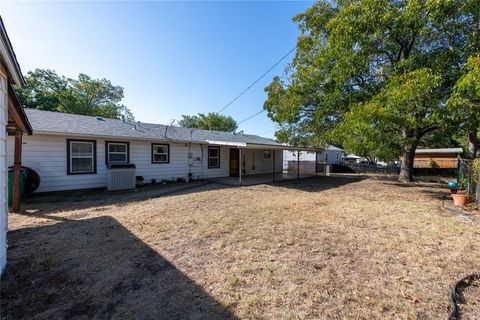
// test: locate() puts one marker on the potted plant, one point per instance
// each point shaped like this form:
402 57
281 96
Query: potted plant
461 198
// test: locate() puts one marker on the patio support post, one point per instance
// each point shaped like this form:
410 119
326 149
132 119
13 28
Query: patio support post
240 166
298 164
17 163
273 166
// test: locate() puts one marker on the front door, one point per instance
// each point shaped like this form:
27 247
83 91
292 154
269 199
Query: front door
234 162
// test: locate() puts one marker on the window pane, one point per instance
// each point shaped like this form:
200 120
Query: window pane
213 152
160 158
82 165
160 149
117 157
114 147
82 149
213 162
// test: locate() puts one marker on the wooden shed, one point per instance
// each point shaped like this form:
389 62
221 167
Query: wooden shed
444 158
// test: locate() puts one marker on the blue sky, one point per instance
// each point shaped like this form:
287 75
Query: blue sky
171 58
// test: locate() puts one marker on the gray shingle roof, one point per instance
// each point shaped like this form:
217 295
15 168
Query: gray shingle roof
442 150
73 124
330 147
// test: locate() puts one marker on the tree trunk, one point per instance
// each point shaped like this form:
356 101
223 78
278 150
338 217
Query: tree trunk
406 167
472 139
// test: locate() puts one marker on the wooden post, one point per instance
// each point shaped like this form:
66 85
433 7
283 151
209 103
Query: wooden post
298 164
17 164
477 193
273 166
240 166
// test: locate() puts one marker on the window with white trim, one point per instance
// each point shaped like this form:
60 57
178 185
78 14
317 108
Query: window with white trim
160 153
117 152
81 156
213 157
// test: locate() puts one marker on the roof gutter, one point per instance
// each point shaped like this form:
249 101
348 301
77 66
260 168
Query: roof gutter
13 68
261 146
90 136
16 111
227 143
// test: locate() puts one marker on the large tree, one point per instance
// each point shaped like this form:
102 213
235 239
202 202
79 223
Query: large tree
372 75
46 90
464 102
210 121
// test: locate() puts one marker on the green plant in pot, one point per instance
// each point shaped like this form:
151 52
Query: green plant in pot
468 181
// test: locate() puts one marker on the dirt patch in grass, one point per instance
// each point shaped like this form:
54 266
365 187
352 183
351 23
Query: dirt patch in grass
325 248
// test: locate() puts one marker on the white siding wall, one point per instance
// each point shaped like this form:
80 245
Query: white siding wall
200 168
304 156
47 154
3 171
329 156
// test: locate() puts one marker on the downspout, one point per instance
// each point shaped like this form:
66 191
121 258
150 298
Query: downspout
190 157
190 161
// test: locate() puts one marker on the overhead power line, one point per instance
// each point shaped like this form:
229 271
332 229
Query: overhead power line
253 115
258 79
269 131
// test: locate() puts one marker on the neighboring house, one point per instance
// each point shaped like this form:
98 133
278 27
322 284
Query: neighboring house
332 155
329 155
71 151
13 123
353 159
445 158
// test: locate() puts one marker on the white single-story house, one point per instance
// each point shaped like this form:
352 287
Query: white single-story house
13 123
329 155
71 151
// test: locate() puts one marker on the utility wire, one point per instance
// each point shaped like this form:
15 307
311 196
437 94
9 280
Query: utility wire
261 134
258 79
253 115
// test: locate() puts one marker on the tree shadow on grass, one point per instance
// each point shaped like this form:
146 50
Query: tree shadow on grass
96 269
55 202
320 183
433 190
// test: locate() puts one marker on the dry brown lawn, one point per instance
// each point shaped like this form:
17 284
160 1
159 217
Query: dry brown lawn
324 248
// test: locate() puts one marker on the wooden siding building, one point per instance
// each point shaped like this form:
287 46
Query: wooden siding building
446 158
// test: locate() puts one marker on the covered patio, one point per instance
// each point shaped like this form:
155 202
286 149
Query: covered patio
251 164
